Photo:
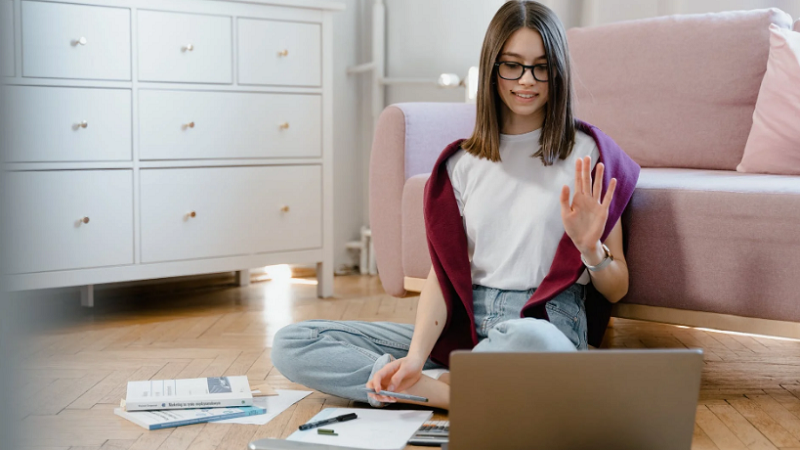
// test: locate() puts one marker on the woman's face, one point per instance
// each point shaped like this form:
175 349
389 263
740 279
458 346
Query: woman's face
526 97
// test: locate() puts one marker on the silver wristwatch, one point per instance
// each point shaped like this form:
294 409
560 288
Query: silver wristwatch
602 264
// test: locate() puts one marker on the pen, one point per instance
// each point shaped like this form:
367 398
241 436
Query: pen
343 418
413 398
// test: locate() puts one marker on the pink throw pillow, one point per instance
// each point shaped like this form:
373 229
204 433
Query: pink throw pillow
773 145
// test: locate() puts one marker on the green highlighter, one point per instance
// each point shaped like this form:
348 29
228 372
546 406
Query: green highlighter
326 432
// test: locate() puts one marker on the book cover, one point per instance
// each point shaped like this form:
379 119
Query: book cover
195 393
156 420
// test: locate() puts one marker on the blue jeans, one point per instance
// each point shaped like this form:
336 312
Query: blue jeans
337 357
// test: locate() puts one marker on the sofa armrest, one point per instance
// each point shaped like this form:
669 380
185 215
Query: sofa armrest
409 138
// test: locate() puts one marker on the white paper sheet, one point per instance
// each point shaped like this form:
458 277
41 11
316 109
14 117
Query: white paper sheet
376 429
275 405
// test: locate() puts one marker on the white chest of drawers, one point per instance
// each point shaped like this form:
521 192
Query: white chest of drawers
157 138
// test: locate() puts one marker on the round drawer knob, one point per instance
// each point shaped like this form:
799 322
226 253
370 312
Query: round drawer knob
188 125
283 53
193 214
84 124
285 208
284 126
79 41
84 220
187 48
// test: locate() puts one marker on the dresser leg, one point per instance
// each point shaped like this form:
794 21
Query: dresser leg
243 277
87 296
324 280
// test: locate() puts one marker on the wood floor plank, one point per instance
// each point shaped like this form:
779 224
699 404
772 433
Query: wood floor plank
746 432
210 436
221 364
195 368
701 441
151 440
261 367
102 389
275 428
118 393
182 437
717 431
238 437
118 444
781 415
306 409
243 362
60 394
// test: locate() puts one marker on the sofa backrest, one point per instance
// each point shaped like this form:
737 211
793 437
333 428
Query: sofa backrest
676 91
797 25
429 128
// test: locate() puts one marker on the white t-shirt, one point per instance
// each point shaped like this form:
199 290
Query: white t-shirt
511 209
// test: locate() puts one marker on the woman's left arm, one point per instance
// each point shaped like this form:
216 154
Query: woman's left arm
612 280
584 221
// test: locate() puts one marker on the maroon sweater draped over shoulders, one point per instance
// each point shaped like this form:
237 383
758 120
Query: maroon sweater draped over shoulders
447 243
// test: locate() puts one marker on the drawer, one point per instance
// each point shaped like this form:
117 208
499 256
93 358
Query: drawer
279 53
188 48
7 38
75 41
214 212
200 125
44 219
66 124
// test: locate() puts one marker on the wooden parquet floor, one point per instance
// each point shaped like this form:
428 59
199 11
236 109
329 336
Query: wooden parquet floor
74 370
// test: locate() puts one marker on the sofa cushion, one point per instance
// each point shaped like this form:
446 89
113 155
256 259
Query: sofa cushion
702 240
715 241
774 142
675 91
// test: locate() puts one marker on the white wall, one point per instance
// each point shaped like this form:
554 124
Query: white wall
428 37
350 27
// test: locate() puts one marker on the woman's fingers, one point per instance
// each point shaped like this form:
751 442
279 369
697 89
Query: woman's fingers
598 181
565 208
612 186
396 384
578 176
587 175
376 383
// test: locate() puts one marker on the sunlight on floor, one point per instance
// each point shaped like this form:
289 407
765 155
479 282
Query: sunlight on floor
763 336
281 273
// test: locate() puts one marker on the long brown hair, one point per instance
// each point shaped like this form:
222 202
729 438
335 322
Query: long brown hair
558 133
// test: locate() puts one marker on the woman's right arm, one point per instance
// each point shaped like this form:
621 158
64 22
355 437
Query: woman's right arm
403 373
431 317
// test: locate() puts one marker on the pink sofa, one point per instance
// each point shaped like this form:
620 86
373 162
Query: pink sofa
706 245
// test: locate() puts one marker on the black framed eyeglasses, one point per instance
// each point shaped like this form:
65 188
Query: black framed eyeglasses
509 70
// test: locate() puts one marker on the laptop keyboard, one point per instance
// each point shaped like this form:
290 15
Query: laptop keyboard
431 433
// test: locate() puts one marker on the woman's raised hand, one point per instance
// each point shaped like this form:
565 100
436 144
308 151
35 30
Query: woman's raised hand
397 376
585 220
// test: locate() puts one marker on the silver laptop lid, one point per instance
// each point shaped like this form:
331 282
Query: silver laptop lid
600 399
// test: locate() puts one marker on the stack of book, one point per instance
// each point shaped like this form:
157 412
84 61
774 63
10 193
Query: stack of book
157 404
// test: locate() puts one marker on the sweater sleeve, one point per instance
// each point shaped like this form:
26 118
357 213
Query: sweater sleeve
455 179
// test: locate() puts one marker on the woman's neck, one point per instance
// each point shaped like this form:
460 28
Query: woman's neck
513 123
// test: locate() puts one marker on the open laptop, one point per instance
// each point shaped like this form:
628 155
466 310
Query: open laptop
604 399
